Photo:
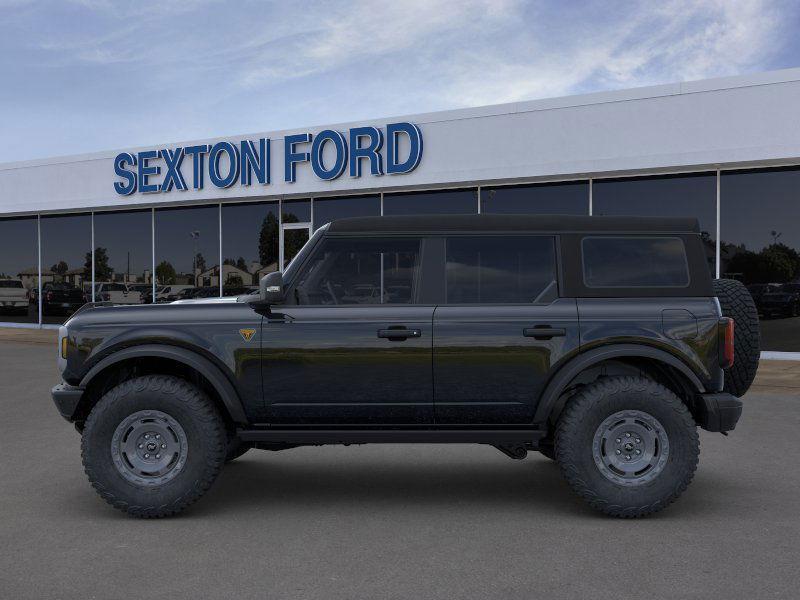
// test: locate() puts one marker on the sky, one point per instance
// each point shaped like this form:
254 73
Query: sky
81 76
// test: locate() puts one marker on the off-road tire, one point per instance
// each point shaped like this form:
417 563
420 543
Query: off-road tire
584 414
737 303
205 445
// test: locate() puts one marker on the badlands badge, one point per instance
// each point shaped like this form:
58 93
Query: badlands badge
247 334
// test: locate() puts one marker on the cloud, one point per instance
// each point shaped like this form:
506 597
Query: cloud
199 68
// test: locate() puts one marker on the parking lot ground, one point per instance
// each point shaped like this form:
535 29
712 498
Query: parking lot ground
385 522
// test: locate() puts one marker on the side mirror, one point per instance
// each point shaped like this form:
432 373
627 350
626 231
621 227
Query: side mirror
271 288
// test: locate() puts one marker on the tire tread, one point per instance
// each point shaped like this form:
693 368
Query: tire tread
203 413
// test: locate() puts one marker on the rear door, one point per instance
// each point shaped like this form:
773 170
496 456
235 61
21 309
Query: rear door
501 328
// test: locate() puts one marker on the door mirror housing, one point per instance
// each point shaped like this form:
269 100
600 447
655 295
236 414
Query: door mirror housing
271 288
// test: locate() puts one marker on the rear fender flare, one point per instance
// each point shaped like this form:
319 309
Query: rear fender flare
581 362
217 379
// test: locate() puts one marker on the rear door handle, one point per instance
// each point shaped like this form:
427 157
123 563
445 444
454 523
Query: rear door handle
399 334
544 333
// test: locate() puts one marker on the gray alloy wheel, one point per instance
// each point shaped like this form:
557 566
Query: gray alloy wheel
149 448
630 447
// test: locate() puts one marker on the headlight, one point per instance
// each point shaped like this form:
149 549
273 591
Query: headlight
62 349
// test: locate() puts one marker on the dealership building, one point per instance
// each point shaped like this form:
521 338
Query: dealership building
218 214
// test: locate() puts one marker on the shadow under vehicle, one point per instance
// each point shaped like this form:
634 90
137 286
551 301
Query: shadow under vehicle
601 342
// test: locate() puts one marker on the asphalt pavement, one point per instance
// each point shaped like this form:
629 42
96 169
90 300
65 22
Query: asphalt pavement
385 522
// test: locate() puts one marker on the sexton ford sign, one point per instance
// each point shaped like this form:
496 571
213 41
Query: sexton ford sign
225 163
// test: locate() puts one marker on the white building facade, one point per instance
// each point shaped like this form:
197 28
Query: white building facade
726 151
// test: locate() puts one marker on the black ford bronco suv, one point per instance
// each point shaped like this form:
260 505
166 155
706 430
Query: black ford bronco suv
601 342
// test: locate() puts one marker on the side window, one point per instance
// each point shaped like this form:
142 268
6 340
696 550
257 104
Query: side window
630 262
499 270
349 271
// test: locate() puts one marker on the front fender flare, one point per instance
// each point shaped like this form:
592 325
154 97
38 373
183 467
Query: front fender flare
585 360
217 379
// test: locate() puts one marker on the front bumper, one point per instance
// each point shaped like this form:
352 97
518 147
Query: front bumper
67 398
718 412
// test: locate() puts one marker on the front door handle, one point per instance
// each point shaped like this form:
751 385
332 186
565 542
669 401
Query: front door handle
400 334
544 332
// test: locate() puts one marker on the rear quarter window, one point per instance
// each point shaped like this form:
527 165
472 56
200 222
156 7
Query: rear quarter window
634 262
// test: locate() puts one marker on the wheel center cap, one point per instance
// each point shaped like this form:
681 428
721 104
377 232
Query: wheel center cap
628 447
151 447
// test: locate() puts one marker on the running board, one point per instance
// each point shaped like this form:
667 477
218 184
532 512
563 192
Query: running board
392 436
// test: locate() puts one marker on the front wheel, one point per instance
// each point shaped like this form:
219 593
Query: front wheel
627 445
153 445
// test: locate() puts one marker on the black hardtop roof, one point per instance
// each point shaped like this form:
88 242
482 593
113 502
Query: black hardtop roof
550 223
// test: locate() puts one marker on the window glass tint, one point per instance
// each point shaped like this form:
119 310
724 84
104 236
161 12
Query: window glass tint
187 247
67 263
19 266
296 211
328 209
499 270
760 230
249 245
446 202
123 253
570 198
361 271
634 262
693 195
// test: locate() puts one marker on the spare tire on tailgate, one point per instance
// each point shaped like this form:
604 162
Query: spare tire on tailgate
737 303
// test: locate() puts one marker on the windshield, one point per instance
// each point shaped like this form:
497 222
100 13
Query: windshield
300 257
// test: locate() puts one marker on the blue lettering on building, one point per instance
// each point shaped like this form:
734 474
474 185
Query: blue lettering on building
329 154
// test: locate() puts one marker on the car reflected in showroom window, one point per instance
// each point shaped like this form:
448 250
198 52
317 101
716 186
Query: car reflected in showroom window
19 271
123 257
66 265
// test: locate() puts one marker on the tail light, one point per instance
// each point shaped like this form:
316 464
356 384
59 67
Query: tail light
726 328
106 297
49 296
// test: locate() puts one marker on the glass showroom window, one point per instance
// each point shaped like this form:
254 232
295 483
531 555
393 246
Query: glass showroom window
66 265
187 253
443 202
296 211
328 209
295 227
123 257
249 245
19 270
563 198
692 195
759 217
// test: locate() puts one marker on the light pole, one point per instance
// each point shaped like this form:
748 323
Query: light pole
195 235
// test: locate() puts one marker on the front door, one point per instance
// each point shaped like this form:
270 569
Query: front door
501 329
352 345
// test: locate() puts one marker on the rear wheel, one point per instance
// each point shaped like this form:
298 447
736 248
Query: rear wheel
153 445
627 445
